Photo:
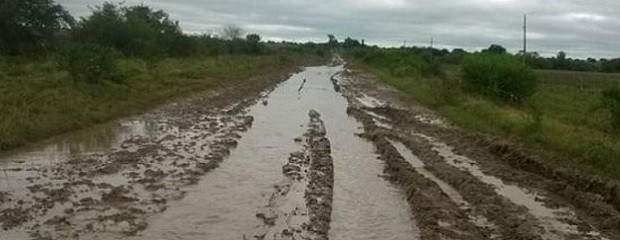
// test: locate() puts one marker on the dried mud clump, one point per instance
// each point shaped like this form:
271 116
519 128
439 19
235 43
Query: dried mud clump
319 194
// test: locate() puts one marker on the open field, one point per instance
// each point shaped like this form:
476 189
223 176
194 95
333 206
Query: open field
38 100
580 79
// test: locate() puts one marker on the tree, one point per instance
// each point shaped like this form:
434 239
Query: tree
232 32
28 26
349 43
560 62
135 31
254 44
332 40
495 49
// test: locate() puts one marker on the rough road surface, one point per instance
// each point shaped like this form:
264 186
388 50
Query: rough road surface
329 153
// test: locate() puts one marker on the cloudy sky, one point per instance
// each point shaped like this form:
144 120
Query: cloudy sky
582 28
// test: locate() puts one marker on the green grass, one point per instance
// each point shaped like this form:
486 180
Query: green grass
38 100
574 131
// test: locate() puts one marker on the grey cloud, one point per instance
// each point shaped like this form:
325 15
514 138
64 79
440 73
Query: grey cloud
581 28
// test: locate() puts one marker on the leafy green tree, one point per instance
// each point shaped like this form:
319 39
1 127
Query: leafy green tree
495 49
136 31
105 26
29 26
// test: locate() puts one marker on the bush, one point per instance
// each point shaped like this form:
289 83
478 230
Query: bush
611 101
499 76
91 63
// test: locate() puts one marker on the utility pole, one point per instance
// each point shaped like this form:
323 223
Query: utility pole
524 38
431 42
405 43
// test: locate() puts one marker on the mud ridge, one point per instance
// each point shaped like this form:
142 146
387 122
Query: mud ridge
286 215
319 194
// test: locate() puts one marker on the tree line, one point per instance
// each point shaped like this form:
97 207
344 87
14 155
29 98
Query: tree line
533 59
89 47
35 27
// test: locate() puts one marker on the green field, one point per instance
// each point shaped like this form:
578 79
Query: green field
564 118
38 99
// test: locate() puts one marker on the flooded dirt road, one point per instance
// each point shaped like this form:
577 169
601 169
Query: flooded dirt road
326 153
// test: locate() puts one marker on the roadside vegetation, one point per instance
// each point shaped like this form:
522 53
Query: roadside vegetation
571 118
59 74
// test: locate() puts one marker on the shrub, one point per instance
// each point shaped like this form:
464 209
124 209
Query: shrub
91 63
611 101
499 76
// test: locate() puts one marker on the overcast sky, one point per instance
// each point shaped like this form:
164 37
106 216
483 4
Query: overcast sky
582 28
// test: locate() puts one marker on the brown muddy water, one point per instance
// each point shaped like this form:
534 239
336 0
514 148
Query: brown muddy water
225 204
246 197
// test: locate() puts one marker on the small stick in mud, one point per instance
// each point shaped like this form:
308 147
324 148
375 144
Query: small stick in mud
302 85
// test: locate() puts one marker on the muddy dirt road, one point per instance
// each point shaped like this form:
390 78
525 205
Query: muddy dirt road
326 153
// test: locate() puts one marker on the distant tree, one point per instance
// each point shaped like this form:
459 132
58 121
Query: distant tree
349 42
561 55
458 51
455 57
332 40
28 26
560 62
495 49
254 44
232 32
253 38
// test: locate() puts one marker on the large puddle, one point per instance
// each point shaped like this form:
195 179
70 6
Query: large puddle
226 202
